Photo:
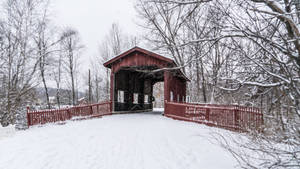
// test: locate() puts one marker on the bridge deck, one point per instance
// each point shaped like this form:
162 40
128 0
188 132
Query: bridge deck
131 141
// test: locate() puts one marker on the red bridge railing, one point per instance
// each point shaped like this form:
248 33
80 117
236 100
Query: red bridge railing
55 115
232 117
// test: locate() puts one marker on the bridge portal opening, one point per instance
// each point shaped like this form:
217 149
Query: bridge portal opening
133 76
158 93
133 90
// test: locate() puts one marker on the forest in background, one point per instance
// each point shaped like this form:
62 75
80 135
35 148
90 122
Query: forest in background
234 52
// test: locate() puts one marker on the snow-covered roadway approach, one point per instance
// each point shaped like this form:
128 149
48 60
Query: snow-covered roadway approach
129 141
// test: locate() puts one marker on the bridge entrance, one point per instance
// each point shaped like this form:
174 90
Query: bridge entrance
133 75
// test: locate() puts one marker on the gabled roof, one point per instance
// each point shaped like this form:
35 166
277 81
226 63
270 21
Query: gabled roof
137 49
109 63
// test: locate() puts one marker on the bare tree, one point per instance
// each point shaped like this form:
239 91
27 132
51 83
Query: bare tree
114 43
95 84
71 46
20 63
29 47
173 27
115 39
46 43
57 75
104 55
166 26
252 58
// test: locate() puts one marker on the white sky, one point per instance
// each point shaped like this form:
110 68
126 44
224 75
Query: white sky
93 19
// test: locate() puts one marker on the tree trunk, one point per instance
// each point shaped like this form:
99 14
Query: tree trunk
90 87
58 83
46 91
97 89
203 83
73 88
198 81
42 70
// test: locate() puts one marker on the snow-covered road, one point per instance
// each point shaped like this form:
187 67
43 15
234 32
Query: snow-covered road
130 141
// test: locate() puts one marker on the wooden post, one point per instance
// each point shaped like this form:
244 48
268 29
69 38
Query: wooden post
111 107
112 90
166 86
236 117
91 109
166 107
207 114
69 113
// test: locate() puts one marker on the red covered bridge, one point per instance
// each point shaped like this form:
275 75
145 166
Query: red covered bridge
133 74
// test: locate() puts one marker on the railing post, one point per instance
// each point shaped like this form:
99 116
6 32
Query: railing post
207 114
91 109
111 104
236 117
69 113
165 107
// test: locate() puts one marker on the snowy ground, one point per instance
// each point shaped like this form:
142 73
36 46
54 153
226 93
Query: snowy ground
130 141
7 131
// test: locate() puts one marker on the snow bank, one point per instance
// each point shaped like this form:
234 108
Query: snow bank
7 131
130 141
158 109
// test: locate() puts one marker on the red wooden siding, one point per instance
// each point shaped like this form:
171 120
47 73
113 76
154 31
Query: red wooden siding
175 85
138 59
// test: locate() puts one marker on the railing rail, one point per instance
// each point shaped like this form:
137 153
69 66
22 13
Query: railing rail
55 115
232 117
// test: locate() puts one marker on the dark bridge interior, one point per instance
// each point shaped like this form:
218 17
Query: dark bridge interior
134 89
132 79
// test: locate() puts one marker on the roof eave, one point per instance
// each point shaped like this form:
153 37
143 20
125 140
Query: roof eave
134 49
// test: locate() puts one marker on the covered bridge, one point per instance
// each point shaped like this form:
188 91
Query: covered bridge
133 76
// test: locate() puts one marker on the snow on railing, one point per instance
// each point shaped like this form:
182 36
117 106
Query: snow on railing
232 117
55 115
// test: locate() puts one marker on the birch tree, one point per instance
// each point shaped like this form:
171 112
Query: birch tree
71 45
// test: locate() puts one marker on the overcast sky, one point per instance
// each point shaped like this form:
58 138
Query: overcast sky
93 19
